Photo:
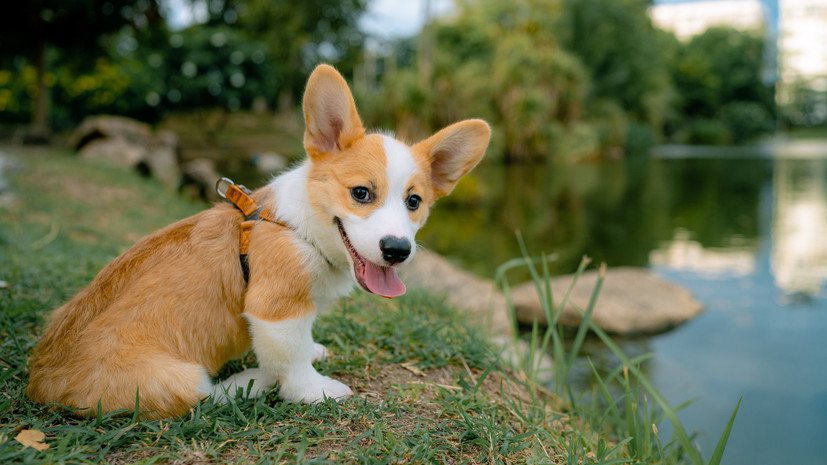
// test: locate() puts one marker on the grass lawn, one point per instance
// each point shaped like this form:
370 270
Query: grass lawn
428 387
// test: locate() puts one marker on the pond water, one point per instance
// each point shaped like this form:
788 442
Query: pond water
745 230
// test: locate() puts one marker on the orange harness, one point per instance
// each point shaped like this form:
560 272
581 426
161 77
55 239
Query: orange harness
253 213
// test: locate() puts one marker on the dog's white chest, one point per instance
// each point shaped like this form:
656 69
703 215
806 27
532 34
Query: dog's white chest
330 286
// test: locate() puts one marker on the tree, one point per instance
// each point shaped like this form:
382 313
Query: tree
720 92
300 34
74 28
623 52
504 61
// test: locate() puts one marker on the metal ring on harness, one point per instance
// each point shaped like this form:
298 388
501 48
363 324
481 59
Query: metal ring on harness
222 185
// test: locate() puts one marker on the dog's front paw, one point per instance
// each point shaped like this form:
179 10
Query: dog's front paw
325 387
317 390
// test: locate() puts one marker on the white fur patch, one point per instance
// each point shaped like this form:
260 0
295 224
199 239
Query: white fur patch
285 352
261 383
392 218
319 243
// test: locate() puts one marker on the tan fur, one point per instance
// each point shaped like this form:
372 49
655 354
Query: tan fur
280 277
453 152
325 131
170 303
170 311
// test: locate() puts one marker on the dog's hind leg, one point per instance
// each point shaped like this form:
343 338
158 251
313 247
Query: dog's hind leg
261 383
164 386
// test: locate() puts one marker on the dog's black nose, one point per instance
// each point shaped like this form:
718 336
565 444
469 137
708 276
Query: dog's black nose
395 249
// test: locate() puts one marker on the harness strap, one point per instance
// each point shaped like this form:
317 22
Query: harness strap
253 213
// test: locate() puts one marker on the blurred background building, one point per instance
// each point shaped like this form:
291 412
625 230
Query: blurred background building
796 30
689 18
802 55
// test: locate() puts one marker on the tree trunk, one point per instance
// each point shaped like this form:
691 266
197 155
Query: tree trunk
40 119
426 47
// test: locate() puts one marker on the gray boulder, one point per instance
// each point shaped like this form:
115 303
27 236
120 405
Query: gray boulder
130 144
110 127
268 163
115 151
477 296
198 179
631 301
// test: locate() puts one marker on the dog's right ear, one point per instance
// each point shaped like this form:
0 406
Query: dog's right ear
332 123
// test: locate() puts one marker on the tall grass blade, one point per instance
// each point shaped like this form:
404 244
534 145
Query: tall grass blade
137 405
668 411
584 326
99 414
718 453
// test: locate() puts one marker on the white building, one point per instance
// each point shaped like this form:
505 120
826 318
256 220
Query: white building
802 45
687 19
799 226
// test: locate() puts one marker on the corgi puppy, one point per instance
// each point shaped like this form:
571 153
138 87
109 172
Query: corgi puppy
161 319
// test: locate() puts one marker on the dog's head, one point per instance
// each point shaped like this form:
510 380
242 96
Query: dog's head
373 189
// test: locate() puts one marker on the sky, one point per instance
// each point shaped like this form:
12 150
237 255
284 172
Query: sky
384 18
400 18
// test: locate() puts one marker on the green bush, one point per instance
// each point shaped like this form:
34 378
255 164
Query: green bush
639 139
747 121
707 131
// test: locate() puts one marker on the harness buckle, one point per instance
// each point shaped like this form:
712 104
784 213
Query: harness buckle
223 184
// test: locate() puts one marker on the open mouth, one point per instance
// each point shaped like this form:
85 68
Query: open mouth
380 280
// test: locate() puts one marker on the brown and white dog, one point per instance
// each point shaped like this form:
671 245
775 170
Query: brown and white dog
163 317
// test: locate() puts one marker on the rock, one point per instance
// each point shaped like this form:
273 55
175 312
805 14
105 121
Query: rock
268 163
199 177
631 300
130 144
115 151
466 291
110 127
162 159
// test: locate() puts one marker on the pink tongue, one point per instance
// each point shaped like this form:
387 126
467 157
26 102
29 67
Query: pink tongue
382 280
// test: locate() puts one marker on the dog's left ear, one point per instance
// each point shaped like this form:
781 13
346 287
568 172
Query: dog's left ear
454 151
332 123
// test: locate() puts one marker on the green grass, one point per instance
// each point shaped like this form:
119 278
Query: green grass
429 388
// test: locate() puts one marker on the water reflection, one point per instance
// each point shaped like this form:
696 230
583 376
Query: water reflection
703 215
799 226
616 212
684 253
798 235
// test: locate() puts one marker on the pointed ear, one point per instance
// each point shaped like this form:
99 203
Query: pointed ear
332 123
454 151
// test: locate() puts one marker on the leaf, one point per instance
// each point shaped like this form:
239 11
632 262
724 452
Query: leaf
32 438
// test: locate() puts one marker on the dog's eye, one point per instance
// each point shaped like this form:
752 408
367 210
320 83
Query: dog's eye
413 202
361 194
